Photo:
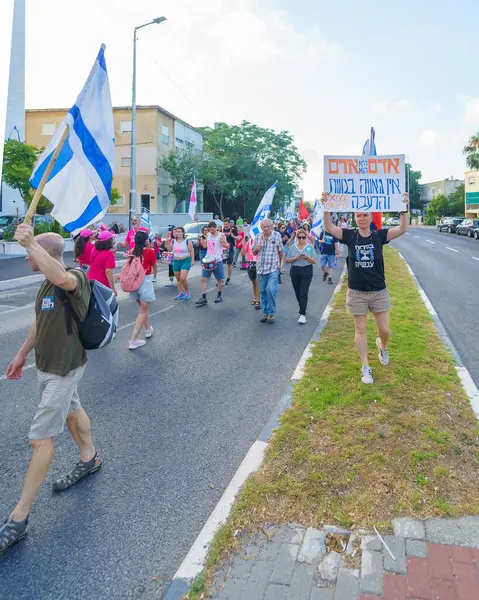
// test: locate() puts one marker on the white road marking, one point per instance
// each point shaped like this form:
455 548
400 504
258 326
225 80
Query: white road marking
475 258
418 237
452 249
430 241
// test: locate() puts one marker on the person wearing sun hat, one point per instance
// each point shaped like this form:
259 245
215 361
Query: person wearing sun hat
84 249
103 260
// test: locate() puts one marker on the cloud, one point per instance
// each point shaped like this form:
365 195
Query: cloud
429 137
389 107
471 112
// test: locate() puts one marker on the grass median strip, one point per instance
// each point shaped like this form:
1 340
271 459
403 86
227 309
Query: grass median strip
357 455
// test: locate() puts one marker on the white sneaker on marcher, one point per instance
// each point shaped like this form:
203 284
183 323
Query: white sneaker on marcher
383 354
366 375
302 319
134 344
149 332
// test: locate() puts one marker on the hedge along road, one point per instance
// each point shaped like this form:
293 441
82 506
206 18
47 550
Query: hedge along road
172 422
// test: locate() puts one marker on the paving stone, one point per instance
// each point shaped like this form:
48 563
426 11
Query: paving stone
275 591
416 548
233 590
350 547
397 545
409 528
371 542
289 535
329 567
336 530
347 587
285 564
321 594
302 582
371 573
258 580
270 551
241 566
313 549
457 532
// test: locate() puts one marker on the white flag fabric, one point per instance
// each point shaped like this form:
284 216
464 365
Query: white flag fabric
263 210
193 200
290 210
145 220
318 213
79 185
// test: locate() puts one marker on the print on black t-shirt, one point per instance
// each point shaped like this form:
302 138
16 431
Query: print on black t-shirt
365 260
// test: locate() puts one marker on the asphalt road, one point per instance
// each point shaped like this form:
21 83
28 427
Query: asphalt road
172 422
11 268
447 267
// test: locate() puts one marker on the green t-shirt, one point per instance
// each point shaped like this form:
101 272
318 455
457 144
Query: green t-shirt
239 222
55 351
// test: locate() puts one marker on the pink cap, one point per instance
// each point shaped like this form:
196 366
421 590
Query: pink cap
103 236
86 233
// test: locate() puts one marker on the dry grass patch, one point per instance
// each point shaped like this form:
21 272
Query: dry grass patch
357 455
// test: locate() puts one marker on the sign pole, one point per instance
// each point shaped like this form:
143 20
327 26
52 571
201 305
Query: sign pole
32 209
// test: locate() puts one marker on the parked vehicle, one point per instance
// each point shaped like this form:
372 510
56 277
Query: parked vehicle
449 224
394 222
6 221
192 232
468 227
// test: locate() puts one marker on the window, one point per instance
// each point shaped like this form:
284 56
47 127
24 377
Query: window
165 135
49 128
120 201
471 180
125 161
164 204
145 202
125 127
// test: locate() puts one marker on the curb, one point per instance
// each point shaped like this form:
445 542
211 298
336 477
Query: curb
465 377
194 561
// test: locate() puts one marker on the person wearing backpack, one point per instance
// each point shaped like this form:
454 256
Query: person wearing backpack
103 260
142 262
60 360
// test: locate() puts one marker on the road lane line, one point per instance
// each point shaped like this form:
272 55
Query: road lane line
452 249
430 241
475 258
418 237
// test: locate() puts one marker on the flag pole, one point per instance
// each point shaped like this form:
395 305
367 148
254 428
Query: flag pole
32 209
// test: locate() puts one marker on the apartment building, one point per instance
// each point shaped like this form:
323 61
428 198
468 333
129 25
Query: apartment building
157 133
435 188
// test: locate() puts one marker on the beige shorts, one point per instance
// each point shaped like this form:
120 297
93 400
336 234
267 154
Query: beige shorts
359 303
58 398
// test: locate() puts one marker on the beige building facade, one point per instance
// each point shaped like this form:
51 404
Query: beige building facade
471 192
157 133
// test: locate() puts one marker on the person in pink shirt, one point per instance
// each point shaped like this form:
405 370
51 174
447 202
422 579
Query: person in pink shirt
103 261
130 236
84 248
247 254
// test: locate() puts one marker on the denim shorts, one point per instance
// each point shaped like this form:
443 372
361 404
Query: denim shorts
183 264
219 272
327 260
145 293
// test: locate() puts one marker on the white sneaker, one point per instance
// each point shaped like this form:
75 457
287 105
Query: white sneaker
366 375
383 354
149 332
302 319
134 344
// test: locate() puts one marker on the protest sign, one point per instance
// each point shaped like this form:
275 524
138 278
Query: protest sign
364 183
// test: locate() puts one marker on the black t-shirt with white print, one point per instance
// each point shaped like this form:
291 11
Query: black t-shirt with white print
365 260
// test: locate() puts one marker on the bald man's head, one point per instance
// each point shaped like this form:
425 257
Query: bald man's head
53 243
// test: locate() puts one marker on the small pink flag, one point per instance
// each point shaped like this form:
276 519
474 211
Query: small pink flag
193 201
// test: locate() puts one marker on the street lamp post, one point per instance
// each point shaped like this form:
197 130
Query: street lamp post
133 124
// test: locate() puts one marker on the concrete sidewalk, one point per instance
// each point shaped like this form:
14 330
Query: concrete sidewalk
436 559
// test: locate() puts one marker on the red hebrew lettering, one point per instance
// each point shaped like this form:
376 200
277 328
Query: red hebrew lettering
333 170
372 166
393 163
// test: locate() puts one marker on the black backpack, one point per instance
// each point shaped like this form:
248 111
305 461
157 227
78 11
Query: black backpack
98 328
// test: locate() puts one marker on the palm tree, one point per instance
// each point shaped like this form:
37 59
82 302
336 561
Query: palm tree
471 150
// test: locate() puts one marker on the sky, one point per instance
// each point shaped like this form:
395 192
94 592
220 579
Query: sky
326 71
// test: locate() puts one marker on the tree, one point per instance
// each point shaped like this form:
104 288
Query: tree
414 178
438 207
456 201
247 159
114 196
471 151
183 166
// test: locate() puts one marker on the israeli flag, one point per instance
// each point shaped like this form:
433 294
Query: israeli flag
263 210
290 211
80 182
318 213
369 147
145 220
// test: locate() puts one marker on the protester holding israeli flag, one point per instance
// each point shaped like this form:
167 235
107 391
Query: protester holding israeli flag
263 210
80 182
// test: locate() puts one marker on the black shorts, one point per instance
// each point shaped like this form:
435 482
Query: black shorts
231 255
252 274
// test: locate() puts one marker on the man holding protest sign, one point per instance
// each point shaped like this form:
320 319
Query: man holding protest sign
366 281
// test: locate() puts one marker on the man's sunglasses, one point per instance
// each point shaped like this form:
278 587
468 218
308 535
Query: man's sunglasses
301 237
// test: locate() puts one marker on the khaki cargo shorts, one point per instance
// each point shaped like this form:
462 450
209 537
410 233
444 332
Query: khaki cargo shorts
58 398
359 303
